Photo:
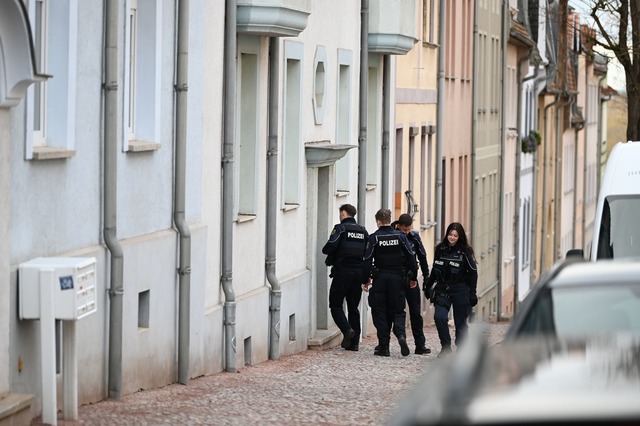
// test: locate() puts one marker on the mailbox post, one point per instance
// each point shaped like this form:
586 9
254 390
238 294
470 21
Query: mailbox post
62 288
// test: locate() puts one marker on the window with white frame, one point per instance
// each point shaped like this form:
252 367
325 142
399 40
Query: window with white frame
142 76
343 119
51 112
248 94
292 134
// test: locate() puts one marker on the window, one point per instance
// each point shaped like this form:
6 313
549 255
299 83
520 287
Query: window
51 112
428 21
247 125
343 119
142 76
374 119
319 83
292 134
426 179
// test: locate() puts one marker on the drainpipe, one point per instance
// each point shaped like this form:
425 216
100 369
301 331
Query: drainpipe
516 219
184 267
503 137
474 120
364 87
275 295
439 121
227 185
116 286
558 179
386 112
543 229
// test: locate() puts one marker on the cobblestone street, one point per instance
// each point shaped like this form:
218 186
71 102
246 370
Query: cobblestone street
331 387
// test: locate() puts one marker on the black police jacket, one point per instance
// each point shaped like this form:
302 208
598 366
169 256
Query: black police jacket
346 244
389 250
453 265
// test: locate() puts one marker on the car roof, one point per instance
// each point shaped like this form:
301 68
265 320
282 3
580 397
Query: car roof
532 381
608 271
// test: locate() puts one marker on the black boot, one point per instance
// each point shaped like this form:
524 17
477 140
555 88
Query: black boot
422 350
348 337
355 344
404 348
382 350
446 351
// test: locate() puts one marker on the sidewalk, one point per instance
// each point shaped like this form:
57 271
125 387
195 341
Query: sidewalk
330 387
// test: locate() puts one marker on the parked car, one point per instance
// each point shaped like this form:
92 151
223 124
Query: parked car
579 298
616 233
533 381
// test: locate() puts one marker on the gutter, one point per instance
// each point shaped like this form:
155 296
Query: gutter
184 268
362 111
116 286
599 153
275 294
439 120
227 184
474 142
386 112
503 137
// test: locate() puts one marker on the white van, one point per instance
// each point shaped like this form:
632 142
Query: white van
616 232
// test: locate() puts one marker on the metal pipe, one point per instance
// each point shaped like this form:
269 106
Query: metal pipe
275 295
386 112
558 180
474 140
601 101
184 267
228 184
362 110
503 137
116 285
439 120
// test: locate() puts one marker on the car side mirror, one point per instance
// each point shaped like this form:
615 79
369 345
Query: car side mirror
575 253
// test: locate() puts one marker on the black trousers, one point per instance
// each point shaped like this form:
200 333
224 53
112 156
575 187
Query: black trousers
346 284
414 297
387 302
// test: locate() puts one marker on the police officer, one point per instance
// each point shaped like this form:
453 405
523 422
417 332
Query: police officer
345 251
455 275
413 295
391 263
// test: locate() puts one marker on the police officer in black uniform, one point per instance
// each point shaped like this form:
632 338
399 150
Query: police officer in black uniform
391 264
455 275
414 295
345 251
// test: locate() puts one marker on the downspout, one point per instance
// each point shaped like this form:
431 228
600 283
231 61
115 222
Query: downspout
516 219
503 137
474 121
362 111
227 184
439 120
116 285
558 181
543 229
386 113
184 267
275 295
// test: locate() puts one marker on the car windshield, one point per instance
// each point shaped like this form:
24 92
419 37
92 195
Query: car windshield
585 310
619 231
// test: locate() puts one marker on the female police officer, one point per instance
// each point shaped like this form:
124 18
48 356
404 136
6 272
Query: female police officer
455 275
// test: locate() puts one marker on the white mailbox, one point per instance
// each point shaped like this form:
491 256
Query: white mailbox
50 289
73 281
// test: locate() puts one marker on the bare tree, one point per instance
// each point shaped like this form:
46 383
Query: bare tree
617 24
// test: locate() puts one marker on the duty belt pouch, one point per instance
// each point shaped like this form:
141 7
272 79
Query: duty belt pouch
442 299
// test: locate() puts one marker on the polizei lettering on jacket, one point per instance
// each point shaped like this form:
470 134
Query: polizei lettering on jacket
356 235
389 242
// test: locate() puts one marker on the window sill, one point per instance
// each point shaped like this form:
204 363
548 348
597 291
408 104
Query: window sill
142 146
289 207
427 225
342 193
51 153
245 218
371 186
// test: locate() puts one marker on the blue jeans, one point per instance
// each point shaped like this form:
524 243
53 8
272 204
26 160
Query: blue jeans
458 297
